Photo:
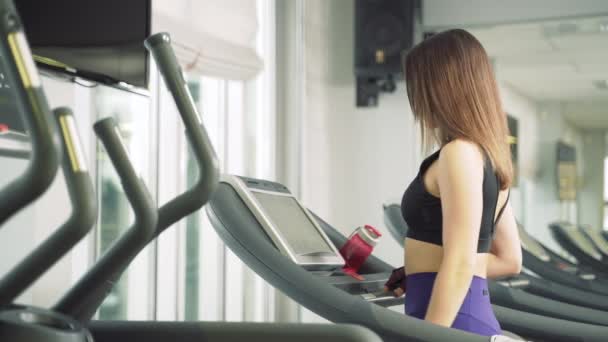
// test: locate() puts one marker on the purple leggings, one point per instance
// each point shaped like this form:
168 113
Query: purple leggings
475 314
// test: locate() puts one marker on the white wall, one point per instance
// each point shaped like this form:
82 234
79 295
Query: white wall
541 126
354 159
442 13
541 195
525 111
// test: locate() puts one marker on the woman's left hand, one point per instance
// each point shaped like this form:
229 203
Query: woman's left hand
396 282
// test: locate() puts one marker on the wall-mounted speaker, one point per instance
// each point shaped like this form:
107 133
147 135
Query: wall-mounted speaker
383 30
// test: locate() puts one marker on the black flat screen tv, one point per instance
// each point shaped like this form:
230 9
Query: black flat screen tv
98 40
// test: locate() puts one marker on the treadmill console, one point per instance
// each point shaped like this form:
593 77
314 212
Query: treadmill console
577 237
528 243
307 240
289 225
597 238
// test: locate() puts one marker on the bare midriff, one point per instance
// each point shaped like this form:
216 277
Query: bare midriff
422 256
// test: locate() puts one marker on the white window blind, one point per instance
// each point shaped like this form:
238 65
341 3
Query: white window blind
211 37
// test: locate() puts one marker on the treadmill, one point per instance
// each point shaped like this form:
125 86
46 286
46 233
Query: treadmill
547 264
597 238
296 252
564 261
528 292
572 239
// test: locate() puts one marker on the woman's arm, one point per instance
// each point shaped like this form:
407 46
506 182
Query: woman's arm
505 253
460 177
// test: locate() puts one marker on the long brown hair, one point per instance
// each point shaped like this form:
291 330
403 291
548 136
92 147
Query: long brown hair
453 94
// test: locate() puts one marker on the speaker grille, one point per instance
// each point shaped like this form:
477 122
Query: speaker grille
383 29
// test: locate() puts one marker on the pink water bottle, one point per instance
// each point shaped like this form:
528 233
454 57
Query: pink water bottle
359 246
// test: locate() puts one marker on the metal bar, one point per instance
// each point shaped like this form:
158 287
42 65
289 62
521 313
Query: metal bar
83 299
80 222
20 69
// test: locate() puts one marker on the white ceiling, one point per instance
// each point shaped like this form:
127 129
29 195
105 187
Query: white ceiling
555 61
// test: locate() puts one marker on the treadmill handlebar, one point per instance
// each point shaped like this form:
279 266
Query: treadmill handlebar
18 67
84 212
193 199
82 300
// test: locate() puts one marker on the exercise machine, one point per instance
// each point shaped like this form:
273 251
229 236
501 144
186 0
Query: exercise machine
597 238
28 323
573 240
259 220
18 70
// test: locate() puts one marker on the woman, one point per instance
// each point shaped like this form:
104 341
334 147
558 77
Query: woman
461 226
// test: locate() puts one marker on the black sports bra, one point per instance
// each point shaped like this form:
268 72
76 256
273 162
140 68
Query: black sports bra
422 211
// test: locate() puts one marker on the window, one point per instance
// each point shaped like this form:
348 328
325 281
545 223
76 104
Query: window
203 294
130 297
211 271
195 270
239 118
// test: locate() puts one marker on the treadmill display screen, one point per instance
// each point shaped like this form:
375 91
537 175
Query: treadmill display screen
293 224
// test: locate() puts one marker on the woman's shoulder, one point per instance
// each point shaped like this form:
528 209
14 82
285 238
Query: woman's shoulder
461 154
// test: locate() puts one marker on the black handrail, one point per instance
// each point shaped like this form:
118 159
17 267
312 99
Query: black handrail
84 212
33 107
89 294
208 167
82 300
18 322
